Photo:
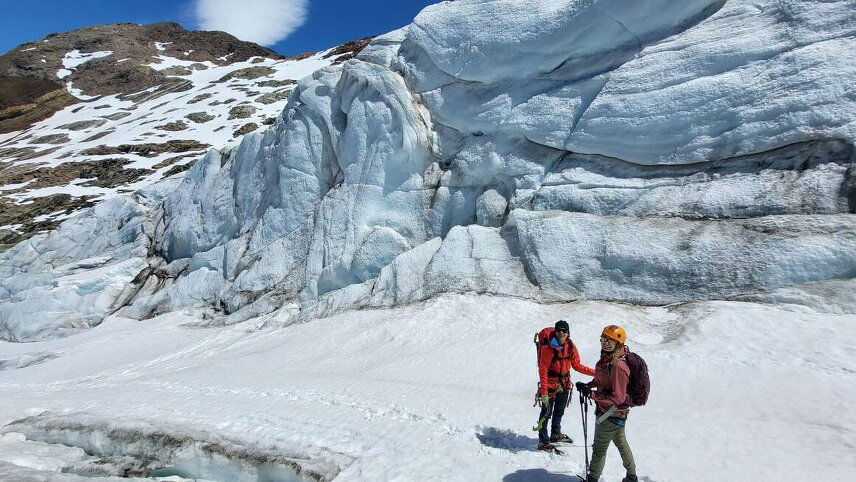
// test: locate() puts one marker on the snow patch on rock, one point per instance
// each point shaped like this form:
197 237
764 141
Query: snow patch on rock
76 58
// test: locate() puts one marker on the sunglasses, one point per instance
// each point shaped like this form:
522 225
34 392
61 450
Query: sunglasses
562 331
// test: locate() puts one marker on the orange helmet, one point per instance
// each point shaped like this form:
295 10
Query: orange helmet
616 333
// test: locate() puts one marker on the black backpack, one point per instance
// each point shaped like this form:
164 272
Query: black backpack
639 384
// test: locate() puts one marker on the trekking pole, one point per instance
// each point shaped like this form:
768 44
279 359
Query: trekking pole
584 417
537 375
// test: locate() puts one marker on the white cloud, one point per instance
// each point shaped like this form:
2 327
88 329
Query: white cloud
264 22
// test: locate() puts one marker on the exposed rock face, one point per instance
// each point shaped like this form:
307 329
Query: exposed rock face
241 111
199 98
101 172
27 100
137 43
275 83
148 149
199 117
51 139
274 96
26 216
30 71
173 126
177 70
248 73
177 169
245 129
82 125
348 50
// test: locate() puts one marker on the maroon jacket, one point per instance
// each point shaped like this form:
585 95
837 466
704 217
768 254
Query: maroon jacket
610 379
554 365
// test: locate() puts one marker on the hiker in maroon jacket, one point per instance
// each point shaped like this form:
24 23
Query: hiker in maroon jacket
556 356
612 375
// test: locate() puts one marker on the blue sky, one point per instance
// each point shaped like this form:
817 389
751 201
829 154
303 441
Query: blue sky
326 23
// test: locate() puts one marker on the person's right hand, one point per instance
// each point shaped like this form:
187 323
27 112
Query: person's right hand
544 400
584 388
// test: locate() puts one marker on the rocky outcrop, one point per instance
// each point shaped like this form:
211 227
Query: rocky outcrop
83 125
25 101
199 117
140 44
274 96
248 73
26 217
241 112
148 149
101 172
173 126
348 50
245 129
32 89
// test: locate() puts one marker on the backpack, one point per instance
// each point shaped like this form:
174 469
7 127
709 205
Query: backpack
543 338
639 385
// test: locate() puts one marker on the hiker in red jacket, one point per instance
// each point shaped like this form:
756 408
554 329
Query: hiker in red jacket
556 356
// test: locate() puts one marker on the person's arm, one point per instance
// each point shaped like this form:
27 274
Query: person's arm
545 357
575 363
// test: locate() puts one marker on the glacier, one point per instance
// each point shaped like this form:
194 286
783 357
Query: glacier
642 152
398 394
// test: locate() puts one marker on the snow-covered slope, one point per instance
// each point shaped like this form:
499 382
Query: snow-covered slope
211 103
650 152
440 390
123 140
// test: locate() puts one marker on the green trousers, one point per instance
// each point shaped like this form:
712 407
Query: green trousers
607 432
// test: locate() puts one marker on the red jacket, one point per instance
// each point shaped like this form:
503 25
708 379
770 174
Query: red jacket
554 366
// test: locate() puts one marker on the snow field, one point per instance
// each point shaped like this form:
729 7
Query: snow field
443 390
139 125
75 58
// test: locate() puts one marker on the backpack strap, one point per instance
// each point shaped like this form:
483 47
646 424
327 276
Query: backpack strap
556 357
539 344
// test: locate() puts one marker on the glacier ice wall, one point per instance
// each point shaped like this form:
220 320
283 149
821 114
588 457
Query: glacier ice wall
648 152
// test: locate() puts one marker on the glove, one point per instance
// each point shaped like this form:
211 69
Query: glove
584 388
544 400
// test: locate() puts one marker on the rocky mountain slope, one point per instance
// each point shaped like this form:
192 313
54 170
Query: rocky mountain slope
92 112
89 58
651 153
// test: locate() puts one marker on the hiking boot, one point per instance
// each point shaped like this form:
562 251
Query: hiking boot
560 437
547 447
630 478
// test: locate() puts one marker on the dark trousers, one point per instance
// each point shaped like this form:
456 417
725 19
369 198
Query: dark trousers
554 410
